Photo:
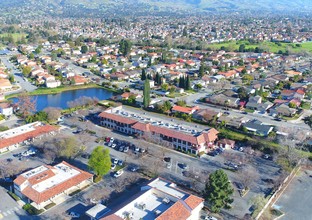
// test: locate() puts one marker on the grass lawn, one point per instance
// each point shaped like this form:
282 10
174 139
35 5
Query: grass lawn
306 106
268 46
43 91
16 36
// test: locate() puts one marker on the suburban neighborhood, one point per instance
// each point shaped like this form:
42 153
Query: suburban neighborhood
155 117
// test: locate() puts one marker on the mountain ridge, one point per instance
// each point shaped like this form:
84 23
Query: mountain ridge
166 5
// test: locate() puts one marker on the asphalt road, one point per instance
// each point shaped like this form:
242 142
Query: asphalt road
9 209
25 85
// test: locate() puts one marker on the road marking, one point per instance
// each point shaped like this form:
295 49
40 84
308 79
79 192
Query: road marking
9 212
16 208
4 213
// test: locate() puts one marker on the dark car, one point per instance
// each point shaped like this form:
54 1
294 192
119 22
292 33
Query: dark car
86 156
277 119
167 159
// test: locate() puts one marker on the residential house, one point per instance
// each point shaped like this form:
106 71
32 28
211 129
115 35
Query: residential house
5 84
79 80
283 110
6 109
223 100
226 143
184 110
46 184
258 127
255 103
159 200
206 114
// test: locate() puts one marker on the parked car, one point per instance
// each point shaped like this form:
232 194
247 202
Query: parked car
121 149
120 162
267 156
167 159
210 218
118 173
133 168
142 150
136 149
115 161
183 166
86 156
113 166
126 149
113 145
169 165
74 215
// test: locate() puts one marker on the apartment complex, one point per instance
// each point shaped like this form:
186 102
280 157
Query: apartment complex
13 138
186 139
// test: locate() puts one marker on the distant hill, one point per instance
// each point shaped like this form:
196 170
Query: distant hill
167 5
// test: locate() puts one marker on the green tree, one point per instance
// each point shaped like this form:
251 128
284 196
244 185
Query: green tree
125 47
292 105
181 103
201 70
188 83
218 191
165 87
143 74
166 106
308 120
38 50
146 93
100 161
84 49
242 93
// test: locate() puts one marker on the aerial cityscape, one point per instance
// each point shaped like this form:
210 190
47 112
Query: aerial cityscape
155 109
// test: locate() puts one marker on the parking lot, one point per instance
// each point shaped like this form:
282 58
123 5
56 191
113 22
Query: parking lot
295 202
148 159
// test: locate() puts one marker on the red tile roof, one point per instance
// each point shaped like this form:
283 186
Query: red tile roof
179 210
39 197
207 136
117 118
193 201
40 130
186 110
112 217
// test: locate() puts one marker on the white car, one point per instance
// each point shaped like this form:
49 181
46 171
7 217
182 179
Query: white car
74 215
113 145
118 173
115 161
113 166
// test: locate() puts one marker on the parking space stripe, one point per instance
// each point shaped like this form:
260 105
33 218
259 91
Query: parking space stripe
4 213
16 208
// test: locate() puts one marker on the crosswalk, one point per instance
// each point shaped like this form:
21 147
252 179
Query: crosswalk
7 213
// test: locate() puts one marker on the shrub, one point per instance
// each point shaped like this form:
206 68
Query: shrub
75 192
97 179
32 210
14 196
49 205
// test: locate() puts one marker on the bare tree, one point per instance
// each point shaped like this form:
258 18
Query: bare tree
26 104
53 113
248 175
